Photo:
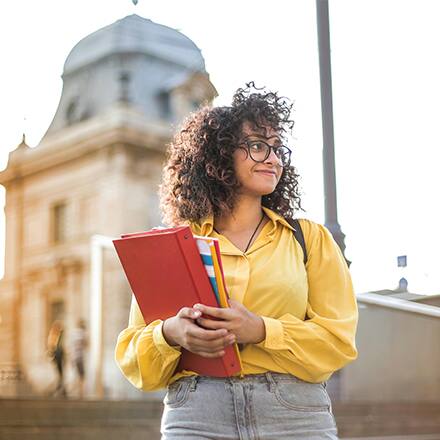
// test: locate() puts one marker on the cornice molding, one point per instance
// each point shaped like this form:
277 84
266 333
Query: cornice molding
121 124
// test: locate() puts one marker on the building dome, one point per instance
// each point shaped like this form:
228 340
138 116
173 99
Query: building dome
143 64
135 34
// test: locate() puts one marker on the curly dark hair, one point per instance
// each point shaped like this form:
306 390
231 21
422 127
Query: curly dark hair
199 178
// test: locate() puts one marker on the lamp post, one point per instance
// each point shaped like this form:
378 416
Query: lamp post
330 199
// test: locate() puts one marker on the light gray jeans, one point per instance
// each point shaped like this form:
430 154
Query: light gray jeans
268 406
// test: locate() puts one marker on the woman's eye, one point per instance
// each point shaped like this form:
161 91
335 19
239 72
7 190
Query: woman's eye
258 146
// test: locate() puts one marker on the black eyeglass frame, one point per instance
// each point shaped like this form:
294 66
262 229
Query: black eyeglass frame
269 149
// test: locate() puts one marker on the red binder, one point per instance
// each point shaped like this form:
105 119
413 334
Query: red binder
165 272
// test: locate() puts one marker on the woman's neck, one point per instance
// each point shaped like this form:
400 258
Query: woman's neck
245 216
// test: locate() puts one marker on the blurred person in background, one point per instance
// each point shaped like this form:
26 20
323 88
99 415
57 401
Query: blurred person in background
56 353
79 344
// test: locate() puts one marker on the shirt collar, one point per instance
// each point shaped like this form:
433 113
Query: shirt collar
206 226
274 217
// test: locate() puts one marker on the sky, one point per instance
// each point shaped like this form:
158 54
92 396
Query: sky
386 90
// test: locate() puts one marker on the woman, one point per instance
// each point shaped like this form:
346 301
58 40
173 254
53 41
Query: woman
229 176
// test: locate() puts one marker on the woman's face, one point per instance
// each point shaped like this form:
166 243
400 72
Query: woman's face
257 178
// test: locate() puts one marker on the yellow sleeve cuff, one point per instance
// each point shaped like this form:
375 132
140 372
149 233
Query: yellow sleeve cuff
161 344
274 335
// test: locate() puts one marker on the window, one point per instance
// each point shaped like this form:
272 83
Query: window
55 312
164 105
59 222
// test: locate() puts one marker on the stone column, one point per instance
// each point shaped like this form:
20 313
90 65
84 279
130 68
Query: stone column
11 377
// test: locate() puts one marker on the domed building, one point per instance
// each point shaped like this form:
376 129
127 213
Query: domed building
157 70
93 176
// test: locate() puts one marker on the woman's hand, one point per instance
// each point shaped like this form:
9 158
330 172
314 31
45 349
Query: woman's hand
245 325
182 330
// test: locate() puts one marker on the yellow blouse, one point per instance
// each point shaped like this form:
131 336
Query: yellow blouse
310 313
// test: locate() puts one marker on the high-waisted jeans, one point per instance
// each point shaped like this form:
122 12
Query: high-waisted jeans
268 406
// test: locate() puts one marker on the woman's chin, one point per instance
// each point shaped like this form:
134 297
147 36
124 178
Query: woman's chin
258 190
268 189
264 191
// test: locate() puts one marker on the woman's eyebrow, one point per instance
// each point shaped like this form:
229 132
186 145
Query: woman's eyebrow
261 137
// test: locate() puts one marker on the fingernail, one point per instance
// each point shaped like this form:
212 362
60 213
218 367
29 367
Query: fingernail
197 313
196 306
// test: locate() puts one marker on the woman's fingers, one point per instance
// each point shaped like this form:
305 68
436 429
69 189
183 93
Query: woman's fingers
211 355
188 312
216 312
207 335
207 340
222 341
210 346
211 324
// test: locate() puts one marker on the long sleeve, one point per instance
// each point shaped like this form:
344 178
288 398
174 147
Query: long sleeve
324 342
142 353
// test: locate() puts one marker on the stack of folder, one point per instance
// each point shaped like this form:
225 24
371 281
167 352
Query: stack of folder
168 269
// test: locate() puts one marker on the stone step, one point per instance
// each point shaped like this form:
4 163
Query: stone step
387 408
387 419
399 437
80 433
58 419
79 412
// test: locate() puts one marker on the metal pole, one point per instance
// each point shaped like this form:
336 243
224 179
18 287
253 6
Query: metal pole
330 199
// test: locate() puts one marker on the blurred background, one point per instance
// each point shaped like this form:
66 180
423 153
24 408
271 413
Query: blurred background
91 92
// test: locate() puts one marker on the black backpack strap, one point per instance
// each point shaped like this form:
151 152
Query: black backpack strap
298 233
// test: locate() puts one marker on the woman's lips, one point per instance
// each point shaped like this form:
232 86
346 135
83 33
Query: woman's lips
267 173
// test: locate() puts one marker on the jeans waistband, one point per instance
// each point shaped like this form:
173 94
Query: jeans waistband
268 377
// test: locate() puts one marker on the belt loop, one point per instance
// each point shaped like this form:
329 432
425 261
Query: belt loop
270 381
194 380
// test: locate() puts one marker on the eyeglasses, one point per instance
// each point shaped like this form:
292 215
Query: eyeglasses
259 151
